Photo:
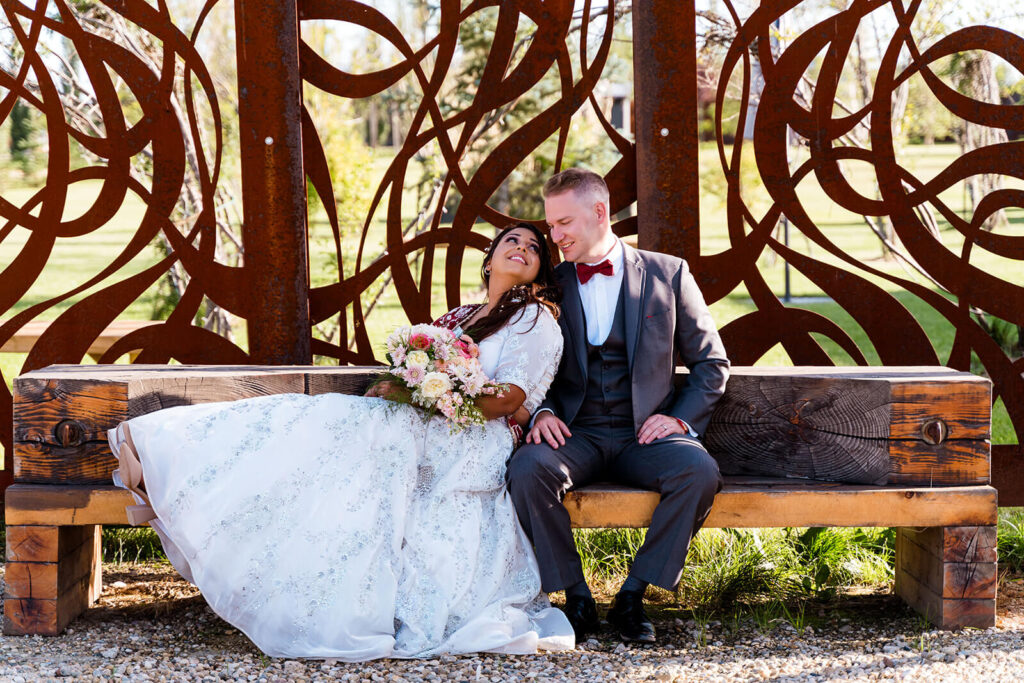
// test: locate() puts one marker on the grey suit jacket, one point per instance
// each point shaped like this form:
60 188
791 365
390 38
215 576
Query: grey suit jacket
666 321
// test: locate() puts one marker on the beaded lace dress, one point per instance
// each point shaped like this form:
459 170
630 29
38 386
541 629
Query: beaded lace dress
350 527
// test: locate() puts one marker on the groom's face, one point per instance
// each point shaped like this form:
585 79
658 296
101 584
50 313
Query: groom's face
578 224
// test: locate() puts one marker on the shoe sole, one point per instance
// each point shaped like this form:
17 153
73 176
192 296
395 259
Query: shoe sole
626 639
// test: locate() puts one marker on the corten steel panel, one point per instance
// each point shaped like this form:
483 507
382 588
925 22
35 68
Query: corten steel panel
451 135
665 78
273 183
144 138
822 127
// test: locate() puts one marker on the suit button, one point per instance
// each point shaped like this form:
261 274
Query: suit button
607 390
606 366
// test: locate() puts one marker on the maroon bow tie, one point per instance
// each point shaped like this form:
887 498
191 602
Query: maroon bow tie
585 272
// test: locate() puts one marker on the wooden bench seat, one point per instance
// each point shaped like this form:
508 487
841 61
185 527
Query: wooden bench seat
745 502
915 438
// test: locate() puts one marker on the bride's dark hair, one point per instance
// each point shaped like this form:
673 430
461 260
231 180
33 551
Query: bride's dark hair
543 291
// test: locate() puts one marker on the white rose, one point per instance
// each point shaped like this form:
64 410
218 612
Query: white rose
435 384
418 358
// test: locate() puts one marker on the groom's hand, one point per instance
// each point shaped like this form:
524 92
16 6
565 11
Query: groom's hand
549 428
657 426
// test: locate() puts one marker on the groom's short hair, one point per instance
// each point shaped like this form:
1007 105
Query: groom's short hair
578 180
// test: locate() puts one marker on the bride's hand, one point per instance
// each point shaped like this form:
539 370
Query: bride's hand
521 416
381 389
501 405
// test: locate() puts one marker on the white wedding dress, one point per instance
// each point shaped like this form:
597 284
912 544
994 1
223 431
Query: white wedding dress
349 527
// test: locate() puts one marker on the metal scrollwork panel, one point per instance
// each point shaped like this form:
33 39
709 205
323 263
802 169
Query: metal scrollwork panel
459 110
798 87
128 134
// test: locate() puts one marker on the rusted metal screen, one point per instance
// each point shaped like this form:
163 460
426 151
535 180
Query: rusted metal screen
155 130
959 272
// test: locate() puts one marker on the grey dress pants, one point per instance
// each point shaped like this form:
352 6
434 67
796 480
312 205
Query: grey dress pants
677 467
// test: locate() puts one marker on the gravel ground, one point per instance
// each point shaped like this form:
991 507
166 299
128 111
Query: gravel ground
151 625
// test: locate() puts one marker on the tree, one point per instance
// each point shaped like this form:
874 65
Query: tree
22 131
974 75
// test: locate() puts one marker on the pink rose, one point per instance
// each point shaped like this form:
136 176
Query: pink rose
466 350
419 341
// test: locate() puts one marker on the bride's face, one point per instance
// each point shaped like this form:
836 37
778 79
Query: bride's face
517 256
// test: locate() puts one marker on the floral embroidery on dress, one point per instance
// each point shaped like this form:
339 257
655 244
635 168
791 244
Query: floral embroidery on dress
350 527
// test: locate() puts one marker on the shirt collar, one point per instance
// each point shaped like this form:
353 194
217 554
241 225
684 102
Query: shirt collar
616 256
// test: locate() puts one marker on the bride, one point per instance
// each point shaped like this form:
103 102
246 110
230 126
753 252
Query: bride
350 527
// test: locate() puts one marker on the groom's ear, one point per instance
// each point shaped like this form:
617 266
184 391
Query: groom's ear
601 210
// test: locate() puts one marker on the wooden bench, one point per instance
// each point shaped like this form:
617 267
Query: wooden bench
908 448
25 338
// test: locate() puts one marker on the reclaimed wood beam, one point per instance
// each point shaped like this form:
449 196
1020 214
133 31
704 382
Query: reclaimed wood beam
742 503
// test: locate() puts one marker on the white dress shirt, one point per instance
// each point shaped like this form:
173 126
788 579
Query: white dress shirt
600 296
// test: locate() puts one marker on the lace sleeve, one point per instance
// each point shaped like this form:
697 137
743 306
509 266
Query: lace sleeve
530 354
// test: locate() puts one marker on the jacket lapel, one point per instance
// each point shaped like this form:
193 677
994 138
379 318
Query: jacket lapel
634 281
572 310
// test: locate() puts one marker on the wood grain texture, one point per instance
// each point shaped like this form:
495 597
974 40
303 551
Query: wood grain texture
831 428
946 579
62 413
738 505
149 394
37 616
969 544
962 405
33 543
31 580
746 504
43 597
77 552
961 412
341 381
31 616
957 543
55 505
964 461
818 423
60 428
945 613
44 543
906 426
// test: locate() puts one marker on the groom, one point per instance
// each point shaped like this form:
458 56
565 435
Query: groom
614 412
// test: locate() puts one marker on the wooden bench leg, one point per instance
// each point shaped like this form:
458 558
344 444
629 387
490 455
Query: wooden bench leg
53 574
948 574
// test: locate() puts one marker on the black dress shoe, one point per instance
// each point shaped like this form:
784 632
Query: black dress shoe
627 616
582 614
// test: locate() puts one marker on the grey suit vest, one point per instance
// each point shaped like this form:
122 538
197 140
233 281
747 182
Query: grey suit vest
609 396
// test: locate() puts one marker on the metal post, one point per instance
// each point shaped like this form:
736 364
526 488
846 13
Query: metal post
665 79
273 181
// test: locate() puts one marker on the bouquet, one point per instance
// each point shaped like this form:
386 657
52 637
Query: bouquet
439 372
